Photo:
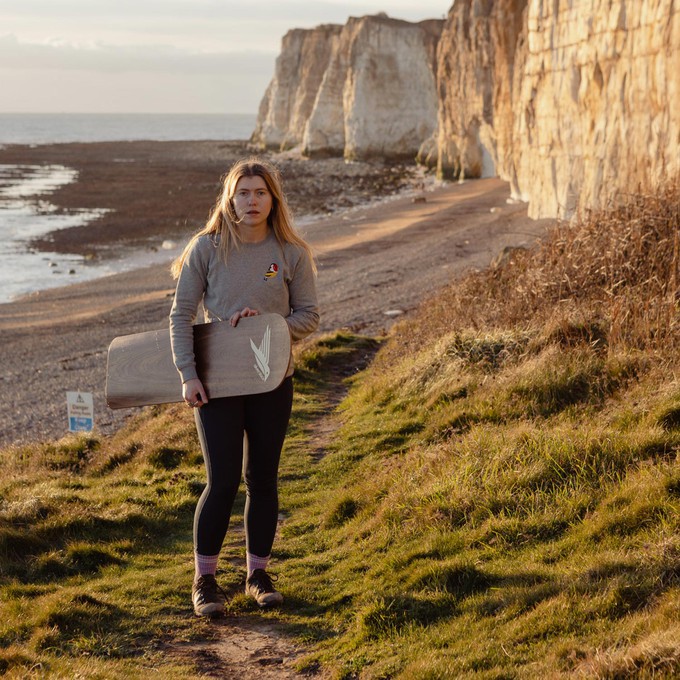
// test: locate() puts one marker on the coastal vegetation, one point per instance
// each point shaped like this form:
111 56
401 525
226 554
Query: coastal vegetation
492 491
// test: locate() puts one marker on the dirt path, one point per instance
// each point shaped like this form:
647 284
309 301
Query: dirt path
256 647
245 649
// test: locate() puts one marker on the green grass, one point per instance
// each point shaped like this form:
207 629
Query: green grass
541 537
532 541
501 500
96 558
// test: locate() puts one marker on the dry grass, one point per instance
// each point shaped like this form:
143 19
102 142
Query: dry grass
610 276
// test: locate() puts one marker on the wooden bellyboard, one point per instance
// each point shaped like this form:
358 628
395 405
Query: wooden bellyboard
250 358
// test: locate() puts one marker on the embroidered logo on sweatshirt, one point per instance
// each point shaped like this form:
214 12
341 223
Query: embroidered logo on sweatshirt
272 271
262 355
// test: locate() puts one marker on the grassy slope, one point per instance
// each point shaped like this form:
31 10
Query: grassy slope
500 499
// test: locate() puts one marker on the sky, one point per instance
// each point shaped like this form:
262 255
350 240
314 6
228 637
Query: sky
159 56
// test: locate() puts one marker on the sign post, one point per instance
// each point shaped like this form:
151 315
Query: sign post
80 408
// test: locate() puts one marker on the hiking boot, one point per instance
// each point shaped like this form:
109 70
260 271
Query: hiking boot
259 585
207 596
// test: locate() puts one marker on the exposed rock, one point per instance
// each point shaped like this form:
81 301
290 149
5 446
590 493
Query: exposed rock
289 99
475 83
370 91
572 102
597 110
428 153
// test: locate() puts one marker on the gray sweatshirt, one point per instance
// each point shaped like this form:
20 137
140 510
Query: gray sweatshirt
265 276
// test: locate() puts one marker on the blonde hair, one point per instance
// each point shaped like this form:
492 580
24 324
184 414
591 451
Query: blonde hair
223 221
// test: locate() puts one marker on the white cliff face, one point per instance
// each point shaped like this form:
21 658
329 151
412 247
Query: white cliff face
573 102
370 90
389 94
324 133
290 97
597 110
475 83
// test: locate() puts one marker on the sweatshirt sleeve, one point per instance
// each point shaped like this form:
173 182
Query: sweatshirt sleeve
304 316
190 289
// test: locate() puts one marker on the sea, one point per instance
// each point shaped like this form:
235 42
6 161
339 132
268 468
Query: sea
25 210
50 128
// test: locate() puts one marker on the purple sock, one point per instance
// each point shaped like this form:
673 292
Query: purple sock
205 564
254 562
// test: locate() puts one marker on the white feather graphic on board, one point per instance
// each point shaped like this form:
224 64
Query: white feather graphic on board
262 355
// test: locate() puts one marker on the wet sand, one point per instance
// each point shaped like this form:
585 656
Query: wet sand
374 259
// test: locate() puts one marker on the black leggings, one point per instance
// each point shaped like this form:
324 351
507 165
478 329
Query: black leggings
221 424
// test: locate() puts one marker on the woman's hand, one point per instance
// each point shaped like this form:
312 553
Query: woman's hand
193 393
246 311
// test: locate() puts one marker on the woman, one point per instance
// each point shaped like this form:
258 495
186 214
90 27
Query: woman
247 260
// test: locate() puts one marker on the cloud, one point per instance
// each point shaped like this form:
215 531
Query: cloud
198 20
158 55
63 56
220 10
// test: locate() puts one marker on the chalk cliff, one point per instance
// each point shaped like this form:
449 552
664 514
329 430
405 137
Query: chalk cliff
572 102
476 63
597 109
361 90
289 99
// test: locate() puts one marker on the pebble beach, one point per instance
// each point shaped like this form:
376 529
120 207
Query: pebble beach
386 235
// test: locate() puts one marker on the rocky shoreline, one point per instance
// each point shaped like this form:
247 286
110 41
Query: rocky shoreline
164 190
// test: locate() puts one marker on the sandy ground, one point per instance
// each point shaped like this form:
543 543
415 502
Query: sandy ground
386 257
